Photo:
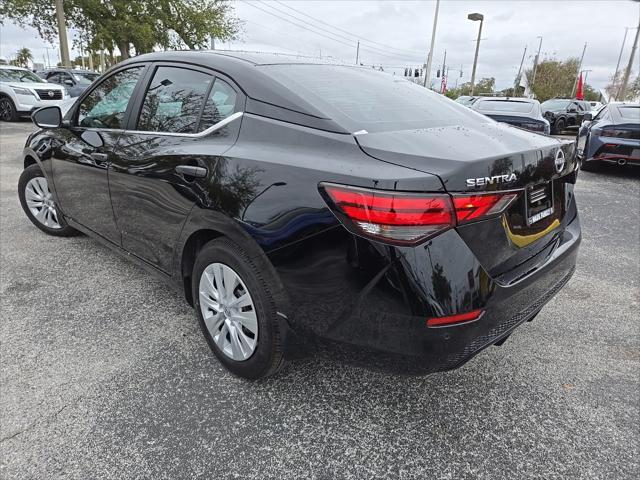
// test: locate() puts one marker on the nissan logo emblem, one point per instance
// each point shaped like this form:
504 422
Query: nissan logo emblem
51 93
559 160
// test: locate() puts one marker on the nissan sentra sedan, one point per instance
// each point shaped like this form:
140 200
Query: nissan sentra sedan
301 206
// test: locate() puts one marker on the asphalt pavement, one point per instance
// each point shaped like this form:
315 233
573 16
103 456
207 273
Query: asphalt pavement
105 374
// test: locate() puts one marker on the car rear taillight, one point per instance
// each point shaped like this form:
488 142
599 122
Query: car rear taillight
409 218
473 207
616 133
398 217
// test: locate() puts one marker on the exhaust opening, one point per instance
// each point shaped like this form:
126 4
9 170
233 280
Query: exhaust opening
622 161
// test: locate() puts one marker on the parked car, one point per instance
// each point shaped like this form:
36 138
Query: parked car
519 112
612 136
290 201
76 81
22 91
466 100
595 107
564 113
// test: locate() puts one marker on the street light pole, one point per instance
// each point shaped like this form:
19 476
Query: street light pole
517 82
475 17
627 72
535 64
427 72
575 83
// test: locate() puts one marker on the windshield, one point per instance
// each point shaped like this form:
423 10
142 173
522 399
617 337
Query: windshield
85 78
555 104
505 106
363 99
18 75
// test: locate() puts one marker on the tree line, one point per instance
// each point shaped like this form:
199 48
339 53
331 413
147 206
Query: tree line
129 25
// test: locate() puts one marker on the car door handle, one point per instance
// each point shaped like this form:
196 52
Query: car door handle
191 171
99 157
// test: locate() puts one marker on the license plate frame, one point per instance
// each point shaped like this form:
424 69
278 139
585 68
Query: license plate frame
539 202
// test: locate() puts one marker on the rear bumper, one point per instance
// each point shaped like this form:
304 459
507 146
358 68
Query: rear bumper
611 150
368 304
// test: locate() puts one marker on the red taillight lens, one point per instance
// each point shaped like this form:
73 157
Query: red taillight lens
406 218
466 317
392 216
475 207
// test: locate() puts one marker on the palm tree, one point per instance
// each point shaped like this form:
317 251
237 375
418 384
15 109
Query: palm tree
23 57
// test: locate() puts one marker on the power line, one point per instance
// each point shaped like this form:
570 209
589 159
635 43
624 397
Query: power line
413 52
331 36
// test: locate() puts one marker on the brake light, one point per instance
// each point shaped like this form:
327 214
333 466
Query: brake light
474 207
467 317
393 216
408 218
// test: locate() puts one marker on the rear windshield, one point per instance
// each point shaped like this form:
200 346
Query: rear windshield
364 99
631 113
505 106
555 104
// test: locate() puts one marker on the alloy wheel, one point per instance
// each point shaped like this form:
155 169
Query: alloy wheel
41 203
6 110
228 311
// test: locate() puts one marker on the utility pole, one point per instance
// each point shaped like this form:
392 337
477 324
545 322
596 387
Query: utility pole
475 17
358 52
62 33
624 40
48 61
535 64
517 82
212 43
90 56
427 68
444 66
586 74
627 72
575 83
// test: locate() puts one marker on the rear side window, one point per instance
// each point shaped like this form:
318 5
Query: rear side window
220 104
106 105
174 100
505 106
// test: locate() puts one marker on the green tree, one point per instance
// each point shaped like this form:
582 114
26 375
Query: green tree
23 57
125 24
554 78
483 87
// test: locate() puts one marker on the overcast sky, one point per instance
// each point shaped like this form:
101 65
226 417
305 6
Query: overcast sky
397 33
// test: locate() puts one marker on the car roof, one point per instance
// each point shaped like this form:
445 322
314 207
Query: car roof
12 67
509 99
259 84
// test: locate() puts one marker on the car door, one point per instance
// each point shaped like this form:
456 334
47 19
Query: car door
80 163
187 118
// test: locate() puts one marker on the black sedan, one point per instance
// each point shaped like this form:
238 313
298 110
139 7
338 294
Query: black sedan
613 136
519 112
299 206
75 81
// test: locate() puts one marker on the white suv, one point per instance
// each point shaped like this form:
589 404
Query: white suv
22 91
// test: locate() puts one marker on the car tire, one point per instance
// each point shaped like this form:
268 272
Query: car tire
39 205
253 357
8 112
559 127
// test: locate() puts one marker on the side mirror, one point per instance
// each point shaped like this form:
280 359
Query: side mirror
68 82
47 117
587 117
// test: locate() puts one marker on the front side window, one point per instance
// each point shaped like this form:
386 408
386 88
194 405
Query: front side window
107 103
174 100
220 104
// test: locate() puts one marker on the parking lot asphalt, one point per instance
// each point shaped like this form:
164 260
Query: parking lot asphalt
105 374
